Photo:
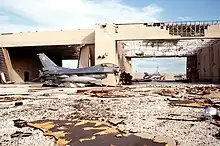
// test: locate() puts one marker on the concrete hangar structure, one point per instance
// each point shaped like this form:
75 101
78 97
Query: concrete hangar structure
115 43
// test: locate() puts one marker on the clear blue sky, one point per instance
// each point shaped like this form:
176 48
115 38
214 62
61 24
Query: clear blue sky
196 9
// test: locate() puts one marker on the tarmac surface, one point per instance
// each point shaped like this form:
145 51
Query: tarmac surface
134 115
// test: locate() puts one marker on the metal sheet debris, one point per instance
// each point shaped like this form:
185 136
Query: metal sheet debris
188 103
106 93
89 133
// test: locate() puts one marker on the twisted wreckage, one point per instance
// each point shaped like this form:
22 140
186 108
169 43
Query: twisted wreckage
52 74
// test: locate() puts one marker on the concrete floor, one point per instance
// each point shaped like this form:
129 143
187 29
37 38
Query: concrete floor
139 113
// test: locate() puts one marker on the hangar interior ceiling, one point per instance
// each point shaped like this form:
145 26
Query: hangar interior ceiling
165 48
63 52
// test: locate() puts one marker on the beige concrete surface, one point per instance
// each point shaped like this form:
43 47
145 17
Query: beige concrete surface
208 63
45 38
84 60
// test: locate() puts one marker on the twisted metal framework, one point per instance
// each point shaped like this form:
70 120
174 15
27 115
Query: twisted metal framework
165 48
182 28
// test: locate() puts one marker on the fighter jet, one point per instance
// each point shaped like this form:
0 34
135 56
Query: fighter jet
154 76
52 74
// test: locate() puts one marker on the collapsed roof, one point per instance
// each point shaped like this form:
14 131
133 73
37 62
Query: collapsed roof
157 48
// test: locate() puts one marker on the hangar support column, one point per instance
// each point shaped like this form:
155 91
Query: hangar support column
105 49
10 72
3 66
87 56
124 62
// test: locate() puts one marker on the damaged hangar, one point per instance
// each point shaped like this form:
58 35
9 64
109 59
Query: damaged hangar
108 43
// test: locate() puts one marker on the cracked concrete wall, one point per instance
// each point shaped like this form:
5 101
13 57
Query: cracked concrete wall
140 31
213 31
208 63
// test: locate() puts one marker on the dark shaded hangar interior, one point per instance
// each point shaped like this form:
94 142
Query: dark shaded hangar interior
26 63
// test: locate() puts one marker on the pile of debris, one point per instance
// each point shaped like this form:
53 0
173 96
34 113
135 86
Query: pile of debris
168 92
126 78
199 90
202 89
197 96
104 93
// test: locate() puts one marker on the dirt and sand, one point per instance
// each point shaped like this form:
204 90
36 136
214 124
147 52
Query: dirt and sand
141 110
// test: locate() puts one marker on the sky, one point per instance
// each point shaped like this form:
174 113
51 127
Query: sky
40 15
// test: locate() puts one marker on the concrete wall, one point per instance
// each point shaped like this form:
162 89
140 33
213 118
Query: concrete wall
85 36
84 57
208 63
87 56
213 31
105 45
21 65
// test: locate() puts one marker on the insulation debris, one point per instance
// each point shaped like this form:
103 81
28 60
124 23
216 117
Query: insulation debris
84 132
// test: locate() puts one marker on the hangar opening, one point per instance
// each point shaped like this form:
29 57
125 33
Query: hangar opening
172 68
23 63
202 63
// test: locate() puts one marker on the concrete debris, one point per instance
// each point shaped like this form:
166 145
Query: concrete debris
125 78
115 122
20 134
45 94
201 90
145 117
168 92
10 99
10 94
105 93
217 135
20 123
188 103
18 103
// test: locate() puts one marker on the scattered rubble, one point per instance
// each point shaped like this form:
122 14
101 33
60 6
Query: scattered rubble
18 103
20 134
105 93
168 117
20 123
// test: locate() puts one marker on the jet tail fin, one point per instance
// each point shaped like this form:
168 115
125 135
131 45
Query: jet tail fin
45 61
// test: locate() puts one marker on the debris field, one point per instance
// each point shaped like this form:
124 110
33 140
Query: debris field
153 115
